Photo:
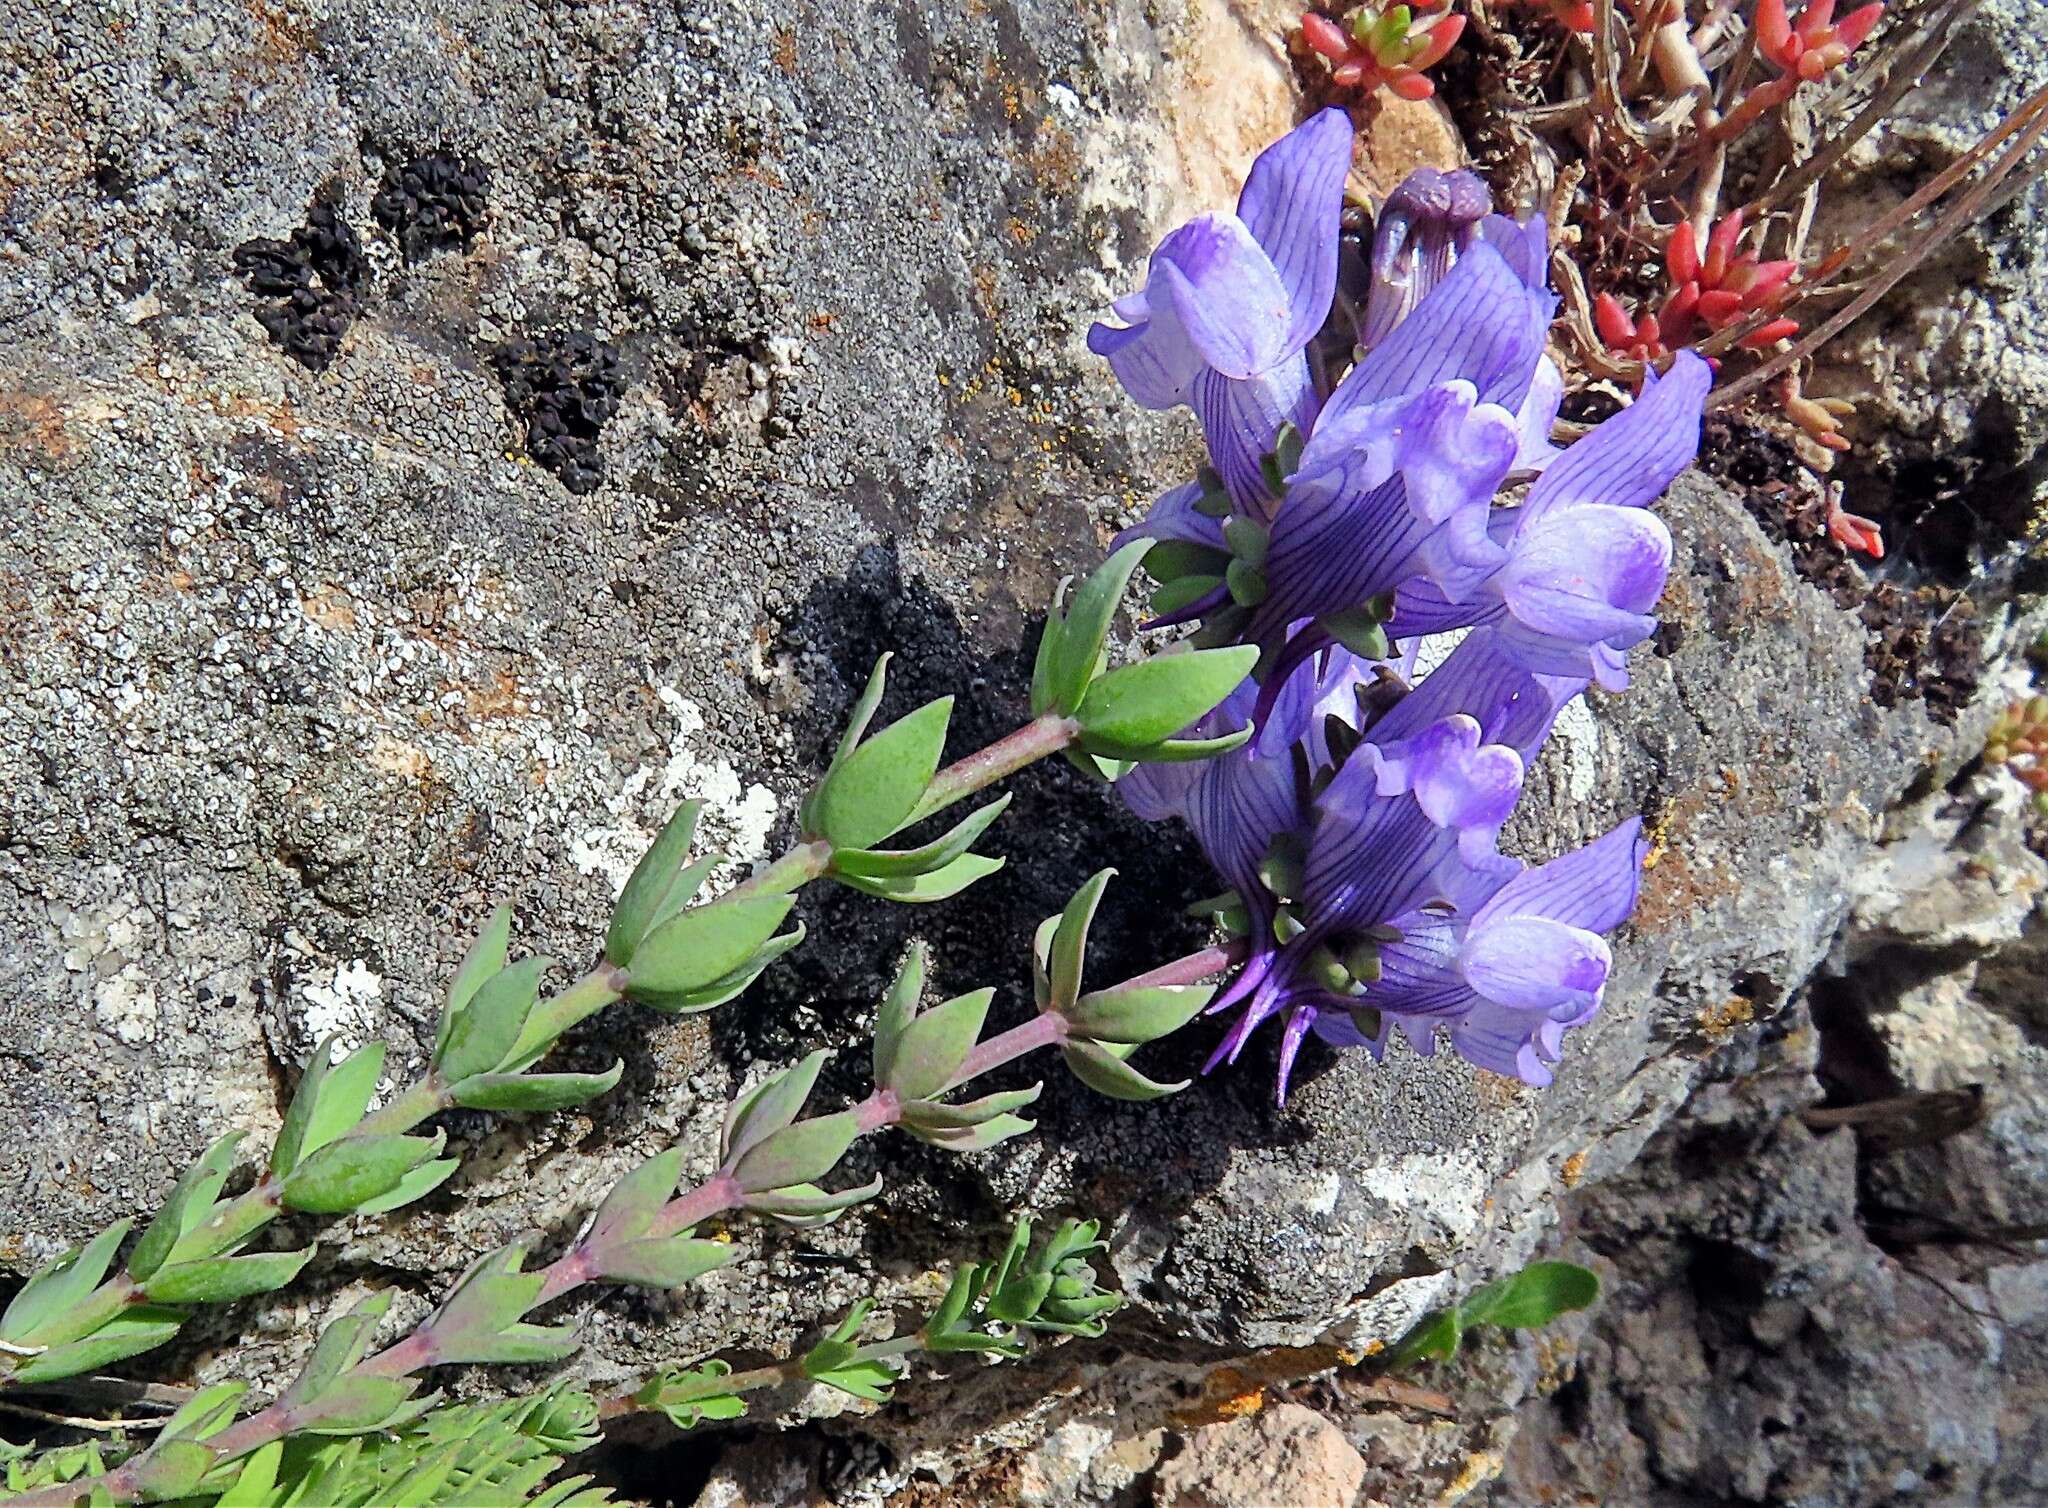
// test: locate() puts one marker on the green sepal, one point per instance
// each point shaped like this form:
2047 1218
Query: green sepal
187 1208
799 1153
628 1211
62 1283
221 1280
417 1184
933 1045
932 1115
486 956
485 1034
533 1091
1247 584
874 790
898 1009
1066 950
921 889
329 1101
1070 652
769 1106
1249 540
343 1174
1138 1013
704 944
1172 559
885 864
648 888
806 1206
1098 1065
1358 630
1184 592
665 1262
1149 702
697 1402
142 1327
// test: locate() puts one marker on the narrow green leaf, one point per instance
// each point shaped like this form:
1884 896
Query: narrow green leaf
1071 651
769 1106
129 1333
863 1377
1172 751
976 1138
61 1284
485 1034
533 1091
170 1469
704 943
805 1205
688 1398
650 883
874 790
185 1209
1041 956
934 1045
206 1413
667 1263
417 1184
344 1097
863 711
722 989
801 1153
355 1404
221 1280
252 1486
922 889
684 890
485 957
1068 952
898 1008
629 1209
1135 1015
1155 699
1105 1073
932 1115
1436 1338
285 1151
1533 1297
937 854
343 1343
514 1345
346 1173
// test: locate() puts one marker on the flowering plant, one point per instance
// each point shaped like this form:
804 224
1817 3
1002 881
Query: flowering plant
1349 519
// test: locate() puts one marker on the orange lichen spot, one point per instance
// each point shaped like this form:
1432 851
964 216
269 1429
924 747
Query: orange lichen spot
1719 1022
1572 1170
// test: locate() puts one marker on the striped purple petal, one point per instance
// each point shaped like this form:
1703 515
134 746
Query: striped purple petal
1593 887
1241 421
1630 459
1291 203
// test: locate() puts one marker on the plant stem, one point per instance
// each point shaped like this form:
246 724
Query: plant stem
750 1381
792 871
1032 742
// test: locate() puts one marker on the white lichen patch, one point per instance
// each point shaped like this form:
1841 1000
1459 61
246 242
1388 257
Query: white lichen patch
103 946
736 818
339 999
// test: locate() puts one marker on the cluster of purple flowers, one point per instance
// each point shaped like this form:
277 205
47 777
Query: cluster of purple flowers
1348 516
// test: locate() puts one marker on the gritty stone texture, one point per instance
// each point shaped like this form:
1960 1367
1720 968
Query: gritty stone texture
300 675
1284 1454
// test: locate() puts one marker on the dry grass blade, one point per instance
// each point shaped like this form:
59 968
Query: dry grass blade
2034 113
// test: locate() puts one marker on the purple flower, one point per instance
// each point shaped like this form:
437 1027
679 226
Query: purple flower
1231 300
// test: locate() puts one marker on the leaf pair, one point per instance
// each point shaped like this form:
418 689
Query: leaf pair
625 1242
1104 1027
919 1055
777 1159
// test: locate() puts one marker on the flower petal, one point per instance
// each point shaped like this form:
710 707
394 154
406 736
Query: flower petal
1531 963
1630 459
1483 680
1174 516
1291 204
1155 361
1226 292
1242 419
1587 574
1593 887
1537 415
1479 325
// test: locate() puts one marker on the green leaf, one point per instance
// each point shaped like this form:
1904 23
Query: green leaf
533 1091
1070 652
629 1209
484 1035
61 1284
1137 1014
1068 951
141 1328
863 1377
937 854
417 1184
169 1469
801 1153
206 1413
329 1102
769 1106
922 889
186 1208
516 1345
343 1343
1185 592
688 1398
932 1047
703 944
1436 1338
1101 1070
1535 1296
1155 699
346 1173
875 789
222 1280
863 711
805 1205
258 1475
479 1322
356 1404
933 1115
722 989
669 1262
648 888
898 1007
486 956
1172 559
979 1137
1174 751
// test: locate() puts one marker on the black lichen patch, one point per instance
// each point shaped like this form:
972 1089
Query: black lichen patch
314 283
437 202
564 386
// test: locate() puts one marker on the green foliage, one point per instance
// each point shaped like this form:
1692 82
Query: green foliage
1070 654
1528 1300
687 1398
1136 707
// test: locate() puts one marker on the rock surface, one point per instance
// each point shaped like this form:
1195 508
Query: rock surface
1284 1454
300 674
